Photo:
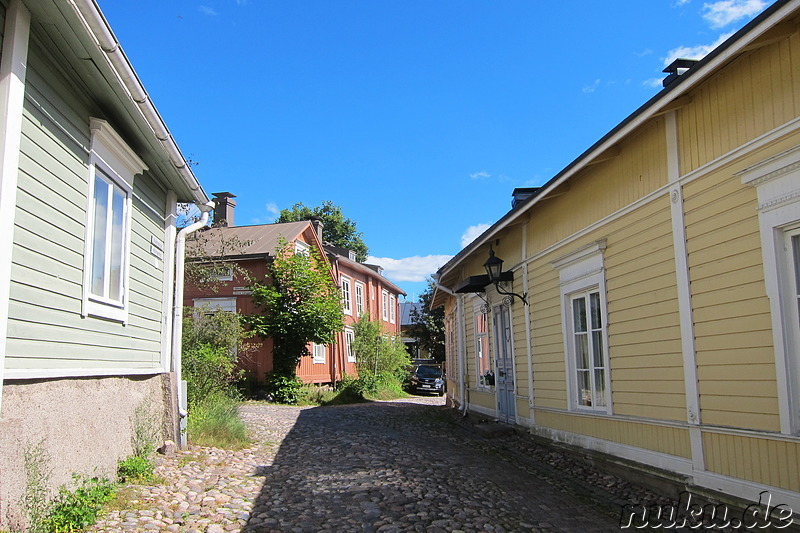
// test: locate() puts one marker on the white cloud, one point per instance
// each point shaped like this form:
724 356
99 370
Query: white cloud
207 10
273 212
472 233
653 82
592 87
694 52
681 3
417 268
480 175
720 14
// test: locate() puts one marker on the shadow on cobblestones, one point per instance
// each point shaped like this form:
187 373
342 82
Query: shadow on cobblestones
397 466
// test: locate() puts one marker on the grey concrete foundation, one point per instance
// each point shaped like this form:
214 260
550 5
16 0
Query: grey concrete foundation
79 425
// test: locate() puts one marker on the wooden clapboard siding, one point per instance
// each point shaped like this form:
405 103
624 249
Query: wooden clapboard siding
547 337
46 330
663 439
758 92
732 320
603 188
769 461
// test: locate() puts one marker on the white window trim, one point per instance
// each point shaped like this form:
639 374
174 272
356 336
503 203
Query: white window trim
777 183
320 354
583 271
385 305
360 292
392 308
111 154
347 296
476 310
225 303
302 248
349 339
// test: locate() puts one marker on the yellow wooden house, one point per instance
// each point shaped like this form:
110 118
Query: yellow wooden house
656 282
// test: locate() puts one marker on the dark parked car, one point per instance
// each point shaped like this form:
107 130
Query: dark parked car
427 378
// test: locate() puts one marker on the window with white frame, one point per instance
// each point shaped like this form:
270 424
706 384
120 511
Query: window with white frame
112 166
777 184
359 298
319 354
349 339
483 364
451 344
347 305
385 305
216 304
302 248
583 313
392 308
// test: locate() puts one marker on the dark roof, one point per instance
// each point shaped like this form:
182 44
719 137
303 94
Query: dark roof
372 270
262 239
406 318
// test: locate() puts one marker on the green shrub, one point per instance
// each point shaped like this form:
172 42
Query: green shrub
208 370
135 469
74 510
215 421
284 389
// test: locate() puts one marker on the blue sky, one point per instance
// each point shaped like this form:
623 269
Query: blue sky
417 117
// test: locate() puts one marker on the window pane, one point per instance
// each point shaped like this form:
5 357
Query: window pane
597 321
584 389
597 348
582 351
101 190
796 262
117 245
579 314
600 387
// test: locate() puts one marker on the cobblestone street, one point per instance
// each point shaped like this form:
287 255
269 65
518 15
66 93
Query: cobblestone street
384 466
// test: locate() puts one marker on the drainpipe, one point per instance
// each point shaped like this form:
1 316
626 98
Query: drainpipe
177 312
462 386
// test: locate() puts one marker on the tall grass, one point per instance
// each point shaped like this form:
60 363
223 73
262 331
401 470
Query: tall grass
215 421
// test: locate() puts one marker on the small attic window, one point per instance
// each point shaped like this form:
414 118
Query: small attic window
351 255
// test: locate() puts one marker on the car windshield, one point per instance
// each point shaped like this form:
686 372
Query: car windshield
429 372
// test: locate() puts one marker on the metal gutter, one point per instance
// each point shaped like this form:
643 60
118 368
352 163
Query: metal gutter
687 81
97 26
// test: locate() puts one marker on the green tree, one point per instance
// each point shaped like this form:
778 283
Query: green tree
428 325
378 353
300 306
339 230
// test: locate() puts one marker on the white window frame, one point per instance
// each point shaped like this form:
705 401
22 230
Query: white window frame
227 276
222 303
392 308
385 305
347 303
777 183
360 298
320 353
479 347
349 339
112 161
302 248
581 273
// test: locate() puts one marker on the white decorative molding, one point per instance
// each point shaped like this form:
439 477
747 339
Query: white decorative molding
113 150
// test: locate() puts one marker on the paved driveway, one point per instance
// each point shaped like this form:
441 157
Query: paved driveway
383 466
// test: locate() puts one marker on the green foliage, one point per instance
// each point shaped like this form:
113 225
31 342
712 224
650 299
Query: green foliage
36 497
338 230
135 469
218 328
208 370
215 421
284 389
74 510
378 353
302 305
428 325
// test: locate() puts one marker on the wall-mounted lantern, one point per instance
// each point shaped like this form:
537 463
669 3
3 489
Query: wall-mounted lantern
494 269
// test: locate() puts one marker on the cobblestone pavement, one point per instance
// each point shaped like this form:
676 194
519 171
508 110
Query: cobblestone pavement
406 465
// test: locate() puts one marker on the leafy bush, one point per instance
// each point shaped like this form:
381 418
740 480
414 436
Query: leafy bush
135 469
74 510
284 389
215 421
209 370
378 353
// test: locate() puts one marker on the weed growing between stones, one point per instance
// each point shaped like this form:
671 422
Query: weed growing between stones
216 422
76 509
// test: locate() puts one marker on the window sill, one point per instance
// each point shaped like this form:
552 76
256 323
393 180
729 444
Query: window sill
105 311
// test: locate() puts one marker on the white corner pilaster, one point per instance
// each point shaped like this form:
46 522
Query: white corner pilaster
527 310
170 232
684 291
13 67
